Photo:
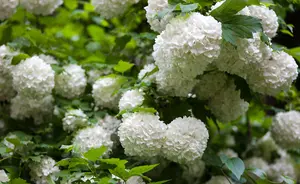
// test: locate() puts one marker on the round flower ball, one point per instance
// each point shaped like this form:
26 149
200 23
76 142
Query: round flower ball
146 70
154 7
41 171
186 140
110 123
142 134
7 8
74 119
105 91
112 8
257 163
92 137
131 99
33 77
285 129
219 180
48 59
274 74
281 167
41 7
71 82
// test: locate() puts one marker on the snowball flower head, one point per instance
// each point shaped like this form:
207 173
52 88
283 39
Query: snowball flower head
3 176
186 140
218 180
135 180
33 77
7 8
131 99
48 59
257 163
267 16
112 8
227 104
153 8
274 75
92 137
41 7
210 84
142 134
110 123
71 82
40 171
286 129
105 91
147 69
74 119
281 167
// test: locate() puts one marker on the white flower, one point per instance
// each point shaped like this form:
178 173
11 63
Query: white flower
40 171
274 75
33 77
71 82
228 152
154 7
219 180
131 99
112 8
74 119
48 59
186 140
286 129
135 180
267 16
3 176
193 171
92 137
142 134
210 84
281 167
227 104
37 108
147 68
41 7
109 123
95 74
105 92
7 8
257 163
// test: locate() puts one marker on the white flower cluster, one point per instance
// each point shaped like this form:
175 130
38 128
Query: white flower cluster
74 119
92 137
258 163
184 50
7 8
131 99
41 7
3 176
219 180
147 68
281 167
142 134
105 92
154 7
286 129
110 123
6 87
71 82
40 171
112 8
48 59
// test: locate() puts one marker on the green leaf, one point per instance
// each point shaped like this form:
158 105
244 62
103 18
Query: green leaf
18 58
123 66
295 52
136 171
67 148
211 158
95 153
236 166
74 162
18 181
121 43
57 69
63 162
115 161
188 7
240 26
71 4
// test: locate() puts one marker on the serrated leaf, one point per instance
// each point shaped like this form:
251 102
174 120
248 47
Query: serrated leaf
71 4
188 7
95 153
123 66
115 161
236 166
141 169
18 181
17 59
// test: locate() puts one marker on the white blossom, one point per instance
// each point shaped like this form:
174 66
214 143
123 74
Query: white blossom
274 75
109 123
228 152
74 119
7 8
142 134
105 92
131 99
135 180
227 105
147 68
219 180
71 82
285 129
48 59
3 176
92 137
257 163
40 171
281 167
186 140
112 8
41 7
33 77
154 7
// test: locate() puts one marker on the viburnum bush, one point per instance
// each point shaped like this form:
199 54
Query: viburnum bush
148 92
